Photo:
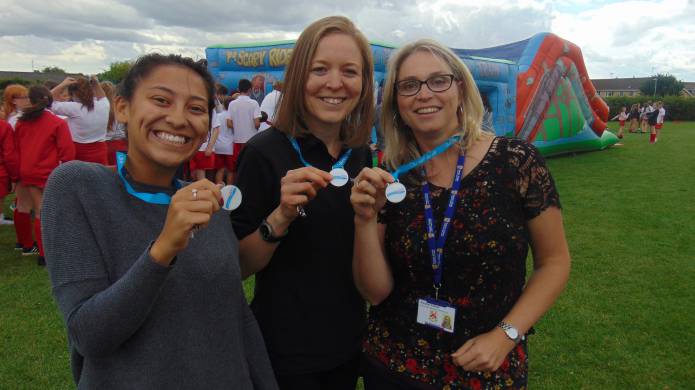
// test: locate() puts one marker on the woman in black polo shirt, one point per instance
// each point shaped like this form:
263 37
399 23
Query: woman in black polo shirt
296 223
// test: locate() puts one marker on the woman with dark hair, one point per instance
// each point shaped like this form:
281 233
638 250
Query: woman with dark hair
87 116
443 263
296 223
43 142
144 268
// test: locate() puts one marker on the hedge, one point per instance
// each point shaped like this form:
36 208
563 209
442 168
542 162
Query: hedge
678 108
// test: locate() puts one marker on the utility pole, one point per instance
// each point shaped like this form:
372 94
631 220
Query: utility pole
656 80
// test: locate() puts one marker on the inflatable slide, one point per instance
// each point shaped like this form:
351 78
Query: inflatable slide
538 89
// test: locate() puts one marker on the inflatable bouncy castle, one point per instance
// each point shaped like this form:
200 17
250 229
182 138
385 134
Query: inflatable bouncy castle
537 89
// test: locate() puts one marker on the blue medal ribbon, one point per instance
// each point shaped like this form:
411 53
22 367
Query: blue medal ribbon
149 197
436 244
339 164
425 157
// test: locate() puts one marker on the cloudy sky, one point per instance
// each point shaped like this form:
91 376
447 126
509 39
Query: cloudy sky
618 38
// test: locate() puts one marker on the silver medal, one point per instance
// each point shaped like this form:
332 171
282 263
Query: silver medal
395 192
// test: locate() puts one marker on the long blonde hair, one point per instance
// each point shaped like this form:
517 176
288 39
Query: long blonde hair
401 146
292 111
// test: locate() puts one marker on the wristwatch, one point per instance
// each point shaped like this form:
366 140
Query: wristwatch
268 234
511 332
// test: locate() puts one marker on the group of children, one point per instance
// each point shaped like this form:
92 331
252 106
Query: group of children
236 118
40 128
643 118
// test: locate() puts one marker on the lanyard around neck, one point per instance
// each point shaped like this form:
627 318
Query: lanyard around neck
338 165
425 157
148 197
436 243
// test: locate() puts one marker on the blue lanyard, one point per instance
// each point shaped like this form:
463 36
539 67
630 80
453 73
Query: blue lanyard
425 157
436 247
339 164
149 197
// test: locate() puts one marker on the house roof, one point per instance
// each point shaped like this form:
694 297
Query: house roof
35 76
616 84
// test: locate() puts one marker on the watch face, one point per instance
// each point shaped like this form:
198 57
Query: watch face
513 333
265 232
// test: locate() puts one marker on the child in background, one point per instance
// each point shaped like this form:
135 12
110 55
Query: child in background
8 166
204 159
659 120
224 147
43 142
622 117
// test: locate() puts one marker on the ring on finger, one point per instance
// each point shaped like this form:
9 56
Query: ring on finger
195 193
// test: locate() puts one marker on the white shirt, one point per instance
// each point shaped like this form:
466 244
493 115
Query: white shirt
269 105
243 111
662 114
12 119
215 123
85 126
225 141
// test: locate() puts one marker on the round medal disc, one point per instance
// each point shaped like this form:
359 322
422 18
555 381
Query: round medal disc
231 196
340 177
395 192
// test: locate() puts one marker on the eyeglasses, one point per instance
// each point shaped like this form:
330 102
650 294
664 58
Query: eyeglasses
438 83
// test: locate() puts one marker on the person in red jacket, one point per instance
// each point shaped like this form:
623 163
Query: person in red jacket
43 142
8 165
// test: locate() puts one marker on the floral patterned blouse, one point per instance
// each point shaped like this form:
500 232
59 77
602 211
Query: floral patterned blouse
484 269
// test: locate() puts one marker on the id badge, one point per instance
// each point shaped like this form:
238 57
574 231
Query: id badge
436 314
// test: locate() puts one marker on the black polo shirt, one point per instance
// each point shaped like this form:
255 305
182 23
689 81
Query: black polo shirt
306 303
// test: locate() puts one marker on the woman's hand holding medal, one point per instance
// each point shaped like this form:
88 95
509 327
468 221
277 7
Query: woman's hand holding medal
299 187
191 208
368 196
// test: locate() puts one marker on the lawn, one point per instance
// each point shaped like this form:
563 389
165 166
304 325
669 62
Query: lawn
625 320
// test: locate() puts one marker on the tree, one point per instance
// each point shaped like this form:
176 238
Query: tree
116 72
53 69
666 85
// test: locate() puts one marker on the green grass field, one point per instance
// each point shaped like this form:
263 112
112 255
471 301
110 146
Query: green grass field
626 320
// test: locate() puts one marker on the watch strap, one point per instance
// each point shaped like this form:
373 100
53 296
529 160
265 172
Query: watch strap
268 233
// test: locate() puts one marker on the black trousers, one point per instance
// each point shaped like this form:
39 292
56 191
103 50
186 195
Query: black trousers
343 377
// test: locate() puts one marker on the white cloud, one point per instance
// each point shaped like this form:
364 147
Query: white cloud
622 38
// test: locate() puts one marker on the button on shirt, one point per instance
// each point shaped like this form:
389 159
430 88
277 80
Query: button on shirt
243 111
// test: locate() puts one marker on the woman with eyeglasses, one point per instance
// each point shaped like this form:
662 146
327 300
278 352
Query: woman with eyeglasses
441 240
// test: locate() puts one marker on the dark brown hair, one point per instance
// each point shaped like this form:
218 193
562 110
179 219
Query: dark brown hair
40 98
83 91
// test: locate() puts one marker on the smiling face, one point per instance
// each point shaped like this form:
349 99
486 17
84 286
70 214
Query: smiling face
167 117
427 113
334 84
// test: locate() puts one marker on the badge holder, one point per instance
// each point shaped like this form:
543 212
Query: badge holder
436 314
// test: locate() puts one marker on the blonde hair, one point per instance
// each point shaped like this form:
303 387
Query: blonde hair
11 92
355 129
401 146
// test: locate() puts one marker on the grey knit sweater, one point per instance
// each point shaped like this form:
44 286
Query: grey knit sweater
132 323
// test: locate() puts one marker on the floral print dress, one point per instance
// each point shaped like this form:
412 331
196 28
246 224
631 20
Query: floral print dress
484 270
